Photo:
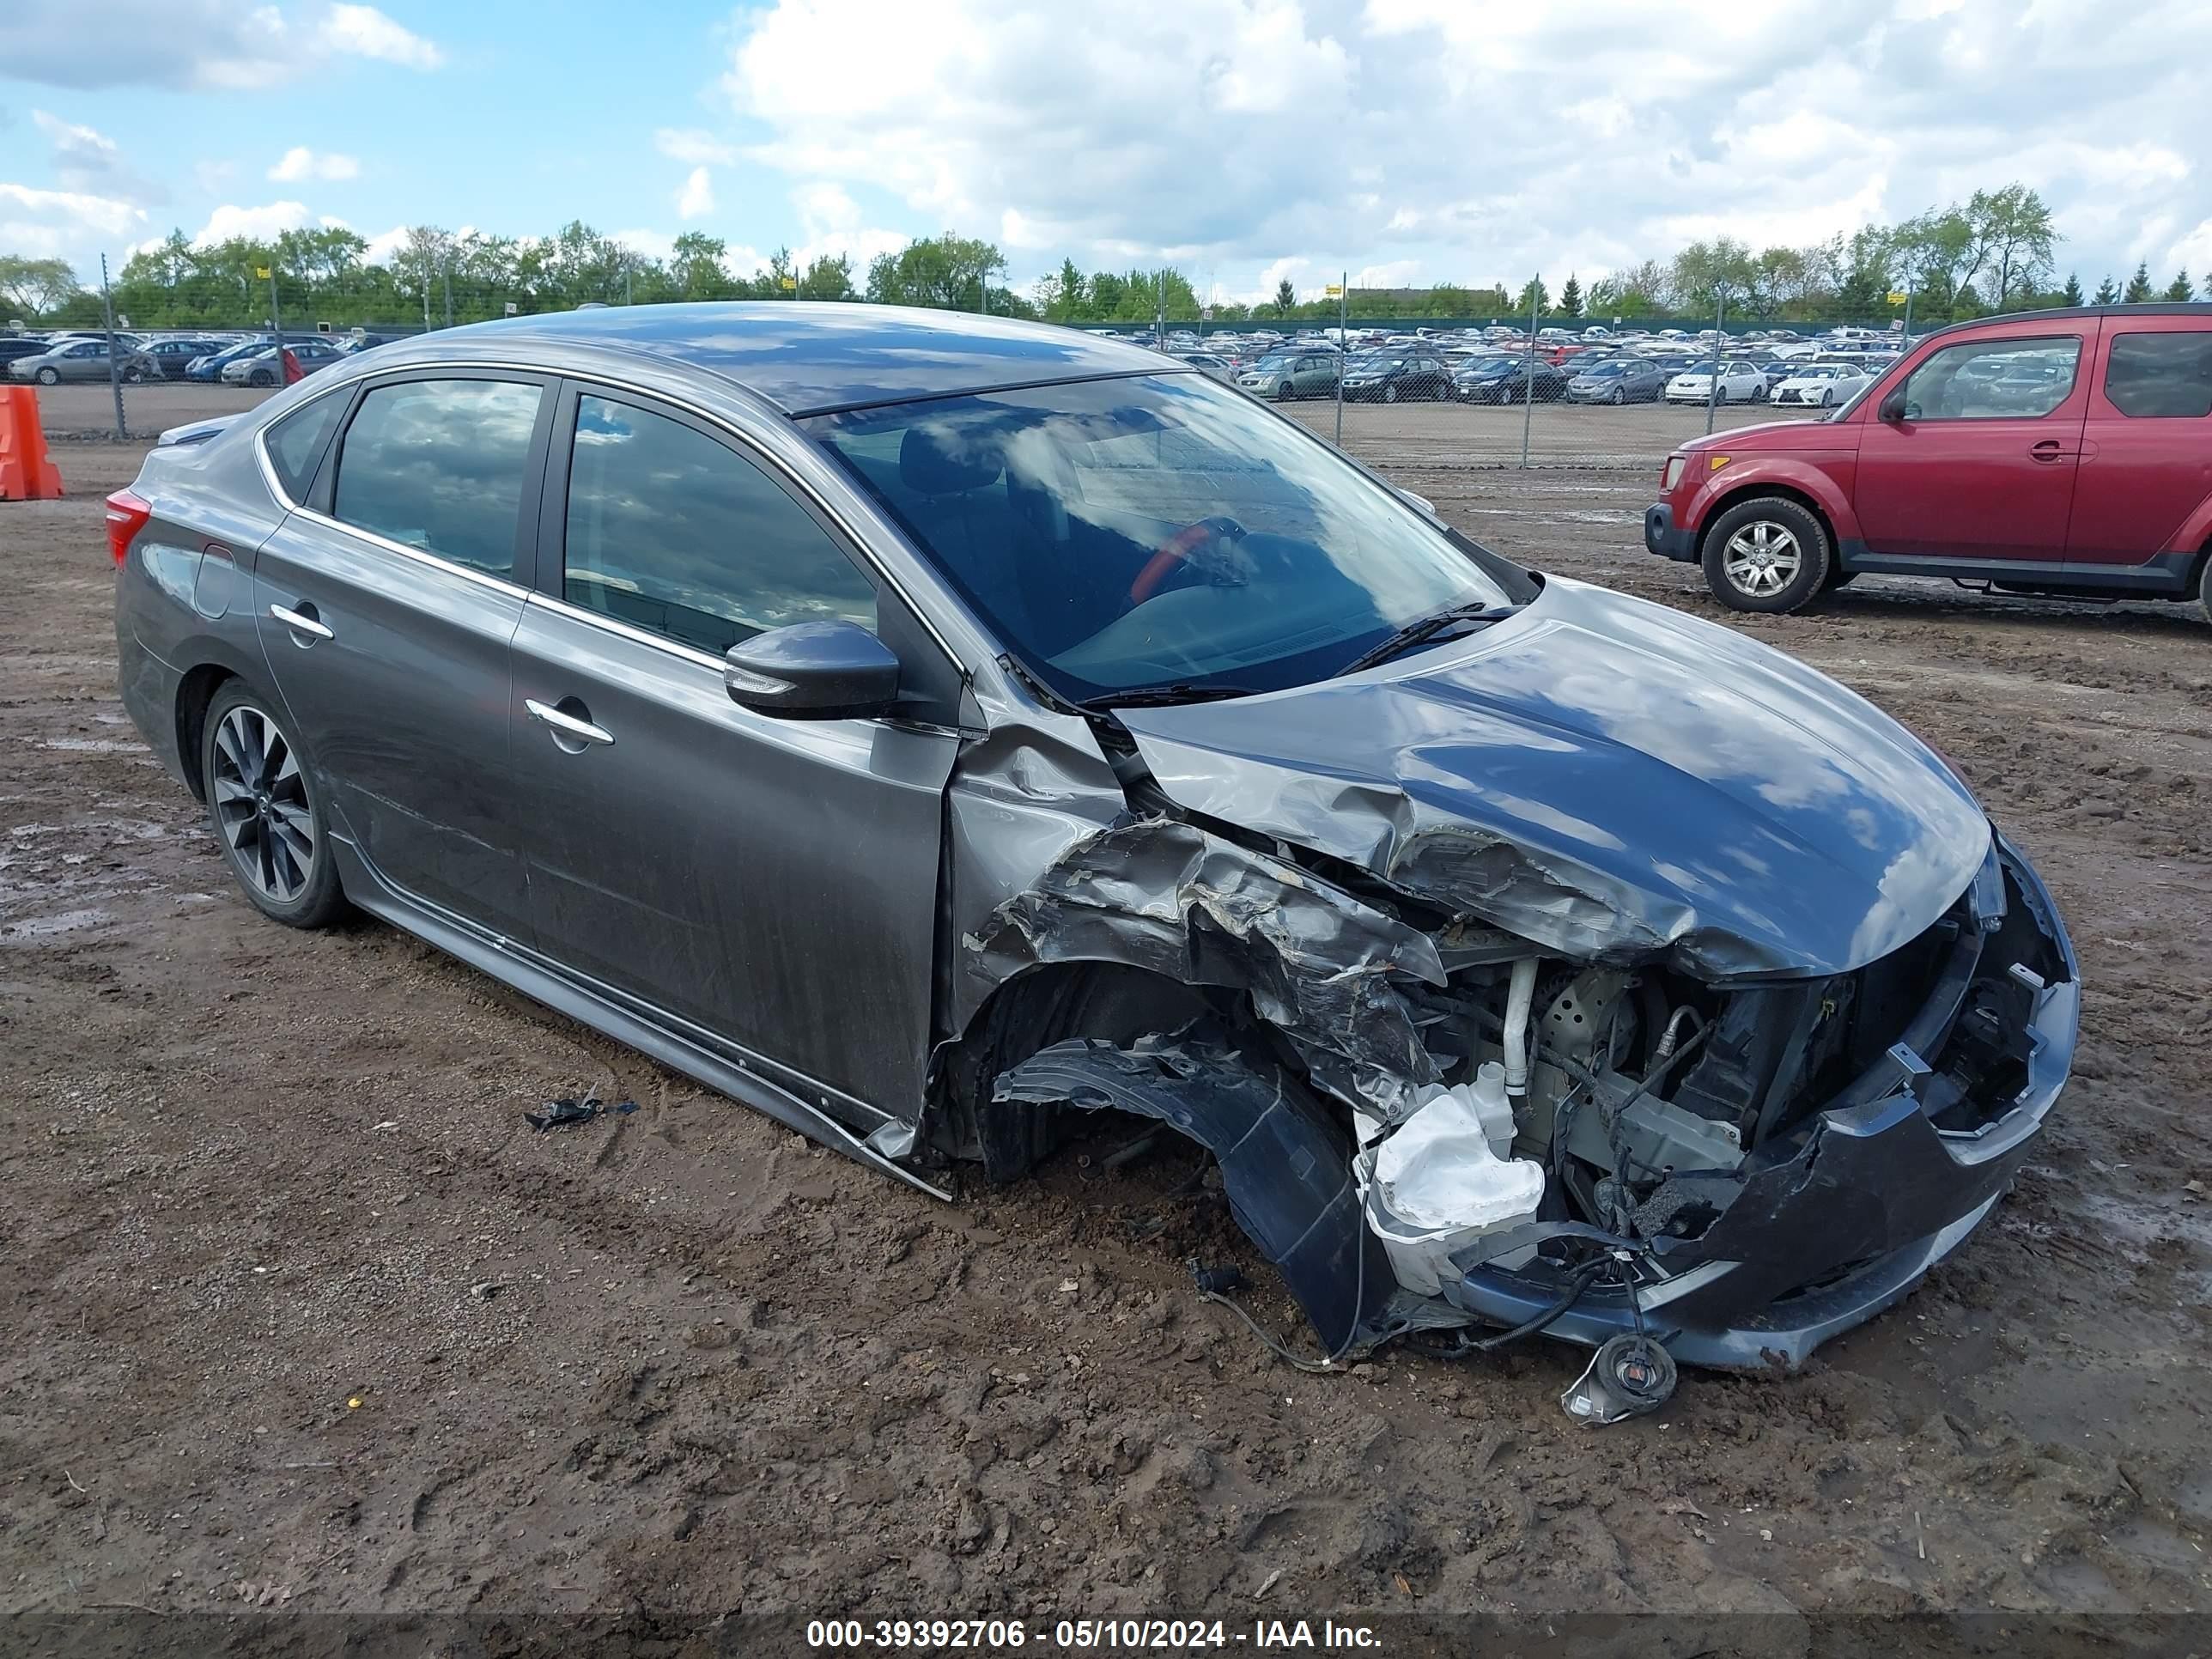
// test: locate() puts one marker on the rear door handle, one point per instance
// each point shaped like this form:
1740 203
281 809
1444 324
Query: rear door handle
567 725
300 625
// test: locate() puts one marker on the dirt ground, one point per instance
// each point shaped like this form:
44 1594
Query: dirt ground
302 1315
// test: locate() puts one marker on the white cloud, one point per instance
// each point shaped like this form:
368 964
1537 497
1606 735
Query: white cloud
62 224
696 199
381 247
653 243
694 146
299 164
206 45
86 160
258 223
365 31
1431 140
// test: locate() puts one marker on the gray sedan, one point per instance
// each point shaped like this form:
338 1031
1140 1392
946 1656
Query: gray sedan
84 360
934 730
1619 380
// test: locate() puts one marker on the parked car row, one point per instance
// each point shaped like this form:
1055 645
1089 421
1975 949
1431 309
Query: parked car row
54 359
1503 366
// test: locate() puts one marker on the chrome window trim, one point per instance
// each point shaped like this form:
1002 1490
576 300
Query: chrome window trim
754 448
261 445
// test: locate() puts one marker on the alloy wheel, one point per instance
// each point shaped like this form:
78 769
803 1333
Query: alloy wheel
261 806
1762 558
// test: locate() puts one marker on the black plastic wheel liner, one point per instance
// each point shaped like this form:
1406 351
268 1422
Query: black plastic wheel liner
1285 1164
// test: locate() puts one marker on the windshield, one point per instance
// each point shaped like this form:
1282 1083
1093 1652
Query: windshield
1605 368
1159 530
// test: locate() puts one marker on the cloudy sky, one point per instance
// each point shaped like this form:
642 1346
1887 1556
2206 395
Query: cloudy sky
1409 141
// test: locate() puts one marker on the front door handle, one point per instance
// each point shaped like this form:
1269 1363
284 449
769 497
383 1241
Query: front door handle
566 725
300 625
2048 450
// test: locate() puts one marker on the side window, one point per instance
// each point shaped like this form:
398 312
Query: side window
439 465
2161 376
1993 381
295 443
673 530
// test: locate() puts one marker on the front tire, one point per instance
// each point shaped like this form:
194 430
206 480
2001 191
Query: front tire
260 378
267 812
50 375
1618 397
1766 555
1390 392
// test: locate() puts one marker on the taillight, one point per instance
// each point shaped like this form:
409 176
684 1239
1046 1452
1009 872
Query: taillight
127 513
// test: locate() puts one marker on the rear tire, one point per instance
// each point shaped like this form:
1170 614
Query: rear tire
2204 585
266 809
1767 555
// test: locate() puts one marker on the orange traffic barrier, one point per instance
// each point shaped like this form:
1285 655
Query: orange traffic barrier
26 474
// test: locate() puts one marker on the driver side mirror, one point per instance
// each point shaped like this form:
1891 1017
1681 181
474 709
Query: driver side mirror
817 670
1892 407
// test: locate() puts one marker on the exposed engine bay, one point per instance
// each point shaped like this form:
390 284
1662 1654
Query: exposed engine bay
1608 975
1607 1151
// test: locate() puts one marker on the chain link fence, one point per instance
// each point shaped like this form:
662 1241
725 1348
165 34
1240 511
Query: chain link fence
1475 392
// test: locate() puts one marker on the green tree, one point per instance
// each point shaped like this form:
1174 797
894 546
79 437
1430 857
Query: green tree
948 271
1533 300
1935 254
2010 240
2071 294
1707 273
1286 298
2108 293
2138 290
695 271
32 287
1570 297
829 277
2180 288
1065 296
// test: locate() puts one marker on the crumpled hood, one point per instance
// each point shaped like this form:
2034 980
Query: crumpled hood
1608 778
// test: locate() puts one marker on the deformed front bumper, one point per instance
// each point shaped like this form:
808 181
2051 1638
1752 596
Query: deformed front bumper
1842 1221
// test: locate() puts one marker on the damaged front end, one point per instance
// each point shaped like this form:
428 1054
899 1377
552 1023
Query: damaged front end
1459 1070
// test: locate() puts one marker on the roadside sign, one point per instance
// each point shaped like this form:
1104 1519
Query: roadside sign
262 272
1334 290
790 282
1205 313
1897 326
510 308
1896 298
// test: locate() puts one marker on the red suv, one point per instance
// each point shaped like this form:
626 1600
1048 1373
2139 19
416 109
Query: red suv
2045 452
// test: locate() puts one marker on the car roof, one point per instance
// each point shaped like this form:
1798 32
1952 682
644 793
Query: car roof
809 358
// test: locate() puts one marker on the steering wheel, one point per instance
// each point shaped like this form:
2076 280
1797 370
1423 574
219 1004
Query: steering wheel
1178 549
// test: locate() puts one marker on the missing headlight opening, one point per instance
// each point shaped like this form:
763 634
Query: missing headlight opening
1435 1126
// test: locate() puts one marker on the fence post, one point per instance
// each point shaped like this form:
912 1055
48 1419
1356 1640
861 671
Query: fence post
114 366
1720 334
1343 347
1528 370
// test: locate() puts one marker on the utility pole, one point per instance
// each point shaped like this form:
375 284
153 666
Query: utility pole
1529 369
114 364
276 316
449 290
1720 339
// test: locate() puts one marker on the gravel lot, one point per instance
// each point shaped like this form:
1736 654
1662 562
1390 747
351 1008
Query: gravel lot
302 1316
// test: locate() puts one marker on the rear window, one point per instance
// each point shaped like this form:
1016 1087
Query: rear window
296 444
2167 376
439 465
